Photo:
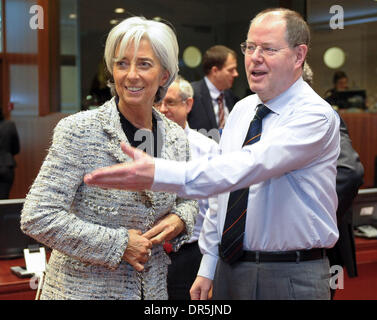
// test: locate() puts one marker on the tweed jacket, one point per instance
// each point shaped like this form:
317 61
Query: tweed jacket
87 227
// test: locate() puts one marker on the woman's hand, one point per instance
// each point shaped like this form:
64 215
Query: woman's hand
166 229
138 249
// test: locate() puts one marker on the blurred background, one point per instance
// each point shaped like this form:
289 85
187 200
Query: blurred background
51 60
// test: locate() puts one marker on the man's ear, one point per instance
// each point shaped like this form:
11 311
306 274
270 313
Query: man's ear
301 52
189 103
214 70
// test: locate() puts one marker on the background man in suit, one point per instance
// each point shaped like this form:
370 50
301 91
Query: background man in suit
9 146
220 69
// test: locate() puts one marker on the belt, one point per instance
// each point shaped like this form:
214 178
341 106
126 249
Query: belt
284 256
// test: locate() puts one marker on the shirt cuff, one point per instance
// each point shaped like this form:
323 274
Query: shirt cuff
169 176
208 266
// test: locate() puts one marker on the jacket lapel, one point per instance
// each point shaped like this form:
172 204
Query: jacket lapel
207 103
229 100
110 121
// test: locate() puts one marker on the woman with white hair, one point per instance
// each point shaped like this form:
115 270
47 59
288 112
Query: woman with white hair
107 244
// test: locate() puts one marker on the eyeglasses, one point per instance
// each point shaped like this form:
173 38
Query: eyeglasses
170 103
248 48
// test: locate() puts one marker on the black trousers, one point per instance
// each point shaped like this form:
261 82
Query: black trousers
183 270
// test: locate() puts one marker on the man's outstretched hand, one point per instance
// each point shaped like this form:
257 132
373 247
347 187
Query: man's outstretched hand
137 175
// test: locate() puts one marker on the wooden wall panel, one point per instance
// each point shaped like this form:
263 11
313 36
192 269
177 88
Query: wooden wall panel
35 138
362 128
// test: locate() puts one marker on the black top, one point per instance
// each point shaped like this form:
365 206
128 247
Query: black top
142 139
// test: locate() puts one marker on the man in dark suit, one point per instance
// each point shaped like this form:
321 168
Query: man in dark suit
9 146
349 178
212 98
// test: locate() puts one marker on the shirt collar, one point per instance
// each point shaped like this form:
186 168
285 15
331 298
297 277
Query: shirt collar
213 91
187 128
278 103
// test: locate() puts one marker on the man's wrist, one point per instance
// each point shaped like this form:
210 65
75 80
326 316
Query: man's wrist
169 175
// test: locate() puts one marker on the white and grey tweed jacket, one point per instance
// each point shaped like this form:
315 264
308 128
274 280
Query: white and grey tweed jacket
87 227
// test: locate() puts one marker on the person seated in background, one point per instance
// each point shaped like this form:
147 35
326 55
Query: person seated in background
340 82
185 264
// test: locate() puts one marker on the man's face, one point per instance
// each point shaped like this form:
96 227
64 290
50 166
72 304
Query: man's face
173 107
273 71
226 75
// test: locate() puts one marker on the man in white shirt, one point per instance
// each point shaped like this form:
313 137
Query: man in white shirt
185 263
290 174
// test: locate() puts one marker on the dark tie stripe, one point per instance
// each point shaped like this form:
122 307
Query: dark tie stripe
220 102
248 141
231 226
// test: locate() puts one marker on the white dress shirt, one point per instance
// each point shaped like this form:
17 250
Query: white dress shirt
200 146
214 93
291 172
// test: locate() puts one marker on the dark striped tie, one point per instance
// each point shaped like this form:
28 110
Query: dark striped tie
231 246
220 101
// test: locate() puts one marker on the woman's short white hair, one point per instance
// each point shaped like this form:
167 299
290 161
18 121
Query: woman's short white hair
162 39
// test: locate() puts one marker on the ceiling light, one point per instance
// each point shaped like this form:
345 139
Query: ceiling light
72 16
192 56
119 10
334 57
114 21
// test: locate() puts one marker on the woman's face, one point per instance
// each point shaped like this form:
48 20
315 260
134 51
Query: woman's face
138 76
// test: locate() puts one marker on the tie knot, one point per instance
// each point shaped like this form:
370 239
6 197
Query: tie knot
220 97
262 111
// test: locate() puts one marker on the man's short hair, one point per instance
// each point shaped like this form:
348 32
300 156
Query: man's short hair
298 31
216 56
185 88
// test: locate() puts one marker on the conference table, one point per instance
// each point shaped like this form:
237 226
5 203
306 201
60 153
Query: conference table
13 287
